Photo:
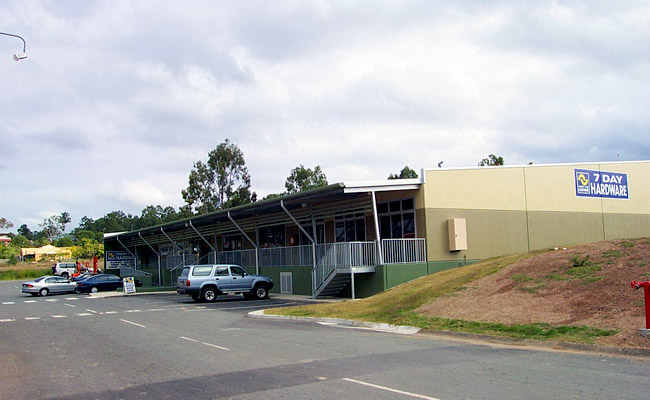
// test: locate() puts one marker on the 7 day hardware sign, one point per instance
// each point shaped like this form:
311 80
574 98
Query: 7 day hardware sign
612 185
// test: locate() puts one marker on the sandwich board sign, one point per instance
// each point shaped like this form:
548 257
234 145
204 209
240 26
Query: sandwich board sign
129 285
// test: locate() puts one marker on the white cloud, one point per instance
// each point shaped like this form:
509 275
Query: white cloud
117 100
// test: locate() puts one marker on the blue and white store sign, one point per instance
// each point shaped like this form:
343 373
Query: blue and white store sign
119 259
612 185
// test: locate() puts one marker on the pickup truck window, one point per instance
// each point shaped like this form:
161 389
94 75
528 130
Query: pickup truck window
238 271
202 270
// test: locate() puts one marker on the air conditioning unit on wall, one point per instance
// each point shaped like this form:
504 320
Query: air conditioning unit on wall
457 234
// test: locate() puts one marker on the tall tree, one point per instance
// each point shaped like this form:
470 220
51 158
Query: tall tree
5 224
50 228
302 178
64 219
491 161
26 232
222 182
405 173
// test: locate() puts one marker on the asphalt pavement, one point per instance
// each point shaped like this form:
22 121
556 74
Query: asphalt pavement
162 345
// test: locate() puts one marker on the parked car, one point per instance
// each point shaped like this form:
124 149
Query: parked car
100 283
205 282
48 284
83 276
64 269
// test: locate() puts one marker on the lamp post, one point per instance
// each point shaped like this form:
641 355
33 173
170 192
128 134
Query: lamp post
17 57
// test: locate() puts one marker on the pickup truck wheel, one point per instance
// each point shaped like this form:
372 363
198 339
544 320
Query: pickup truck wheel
209 295
196 297
260 292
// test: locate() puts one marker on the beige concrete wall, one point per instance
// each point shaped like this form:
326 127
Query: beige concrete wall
489 232
488 188
515 209
551 228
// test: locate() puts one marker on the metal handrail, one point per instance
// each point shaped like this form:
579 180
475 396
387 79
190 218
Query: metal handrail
404 251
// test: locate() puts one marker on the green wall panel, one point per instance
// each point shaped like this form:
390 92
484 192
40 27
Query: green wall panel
399 273
489 232
367 285
548 229
438 266
301 277
621 226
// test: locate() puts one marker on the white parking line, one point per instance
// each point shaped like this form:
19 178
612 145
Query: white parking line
133 311
190 339
133 323
69 305
32 318
156 309
52 300
110 312
84 314
72 298
419 396
214 345
92 311
7 320
29 301
58 316
8 302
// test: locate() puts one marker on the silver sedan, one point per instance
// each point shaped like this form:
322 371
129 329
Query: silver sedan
48 284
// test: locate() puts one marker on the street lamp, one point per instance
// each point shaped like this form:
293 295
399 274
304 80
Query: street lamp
17 57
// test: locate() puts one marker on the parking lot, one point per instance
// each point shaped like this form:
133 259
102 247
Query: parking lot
167 346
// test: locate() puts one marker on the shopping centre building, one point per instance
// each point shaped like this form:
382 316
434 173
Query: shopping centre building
355 239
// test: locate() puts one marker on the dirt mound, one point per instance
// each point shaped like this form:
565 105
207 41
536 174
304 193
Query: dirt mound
582 285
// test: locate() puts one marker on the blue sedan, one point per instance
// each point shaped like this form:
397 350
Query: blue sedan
102 282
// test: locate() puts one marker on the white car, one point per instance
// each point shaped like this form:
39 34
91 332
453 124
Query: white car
48 284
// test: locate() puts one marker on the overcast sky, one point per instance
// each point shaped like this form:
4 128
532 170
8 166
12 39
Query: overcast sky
118 99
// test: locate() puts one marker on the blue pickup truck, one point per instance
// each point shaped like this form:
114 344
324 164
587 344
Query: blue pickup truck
206 282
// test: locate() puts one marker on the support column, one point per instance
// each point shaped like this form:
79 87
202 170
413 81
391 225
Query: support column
204 239
311 239
257 264
175 245
158 255
380 249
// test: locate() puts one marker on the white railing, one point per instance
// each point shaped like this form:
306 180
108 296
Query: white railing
244 258
291 256
128 271
404 251
344 255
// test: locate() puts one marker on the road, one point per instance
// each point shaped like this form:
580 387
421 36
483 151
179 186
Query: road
166 346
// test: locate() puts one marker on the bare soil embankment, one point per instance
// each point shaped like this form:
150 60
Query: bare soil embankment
582 285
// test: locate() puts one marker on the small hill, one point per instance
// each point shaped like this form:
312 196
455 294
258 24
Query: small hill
577 294
586 285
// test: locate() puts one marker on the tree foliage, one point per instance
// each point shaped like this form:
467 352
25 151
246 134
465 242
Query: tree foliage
405 173
5 224
222 182
301 179
491 160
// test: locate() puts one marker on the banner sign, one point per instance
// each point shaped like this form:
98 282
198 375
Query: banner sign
118 259
611 185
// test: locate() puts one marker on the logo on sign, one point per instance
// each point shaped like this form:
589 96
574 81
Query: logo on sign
611 185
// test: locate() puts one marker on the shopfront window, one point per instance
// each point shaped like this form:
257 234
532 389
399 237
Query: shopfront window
397 219
351 228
